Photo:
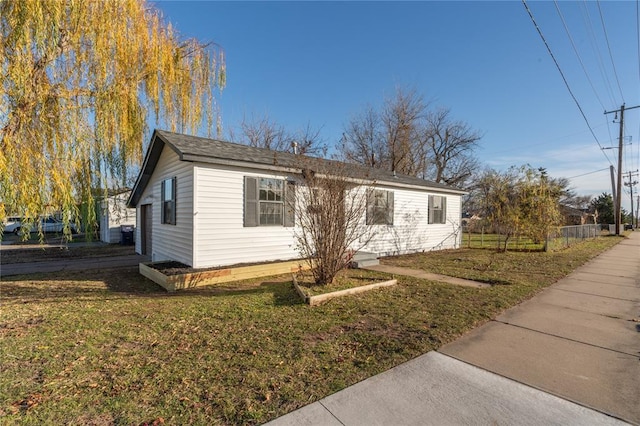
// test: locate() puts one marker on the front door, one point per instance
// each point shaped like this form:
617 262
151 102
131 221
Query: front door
146 218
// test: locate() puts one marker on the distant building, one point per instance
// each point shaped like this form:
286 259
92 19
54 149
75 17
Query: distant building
113 214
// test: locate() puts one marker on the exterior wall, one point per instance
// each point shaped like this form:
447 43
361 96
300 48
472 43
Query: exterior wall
114 212
210 219
220 237
411 231
170 242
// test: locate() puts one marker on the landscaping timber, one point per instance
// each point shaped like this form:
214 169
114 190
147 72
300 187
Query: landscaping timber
175 282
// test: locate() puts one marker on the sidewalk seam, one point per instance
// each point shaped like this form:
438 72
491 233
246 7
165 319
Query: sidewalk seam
329 411
591 294
569 339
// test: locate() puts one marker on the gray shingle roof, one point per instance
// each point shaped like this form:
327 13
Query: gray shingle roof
205 150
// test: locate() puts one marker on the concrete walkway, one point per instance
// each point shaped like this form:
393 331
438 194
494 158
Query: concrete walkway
417 273
569 356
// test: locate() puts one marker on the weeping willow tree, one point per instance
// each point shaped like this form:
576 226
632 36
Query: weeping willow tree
80 79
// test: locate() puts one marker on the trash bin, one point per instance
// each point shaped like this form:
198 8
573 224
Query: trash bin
126 235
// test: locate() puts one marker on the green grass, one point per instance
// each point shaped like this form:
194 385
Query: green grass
494 241
110 347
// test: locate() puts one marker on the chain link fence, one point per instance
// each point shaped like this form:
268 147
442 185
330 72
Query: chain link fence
568 235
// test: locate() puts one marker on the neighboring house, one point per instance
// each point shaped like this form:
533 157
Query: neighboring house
573 216
113 214
209 203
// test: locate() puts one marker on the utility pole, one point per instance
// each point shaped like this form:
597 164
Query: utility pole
631 184
618 202
614 194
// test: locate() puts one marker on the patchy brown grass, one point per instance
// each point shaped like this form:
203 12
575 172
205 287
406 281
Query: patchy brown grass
110 347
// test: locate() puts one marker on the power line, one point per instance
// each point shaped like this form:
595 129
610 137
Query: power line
575 49
589 173
596 48
566 83
604 29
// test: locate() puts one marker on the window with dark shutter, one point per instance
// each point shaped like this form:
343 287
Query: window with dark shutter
266 202
168 201
437 209
380 207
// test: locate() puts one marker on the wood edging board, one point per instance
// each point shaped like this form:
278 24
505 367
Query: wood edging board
172 283
315 300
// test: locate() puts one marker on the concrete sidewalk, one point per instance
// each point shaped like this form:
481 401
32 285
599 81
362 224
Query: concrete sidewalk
569 356
417 273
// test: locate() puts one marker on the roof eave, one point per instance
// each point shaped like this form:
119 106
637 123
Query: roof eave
148 166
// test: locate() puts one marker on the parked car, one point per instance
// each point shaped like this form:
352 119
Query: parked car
48 224
11 223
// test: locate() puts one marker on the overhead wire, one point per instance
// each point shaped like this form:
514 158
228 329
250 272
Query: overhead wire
604 29
564 79
575 50
596 48
589 173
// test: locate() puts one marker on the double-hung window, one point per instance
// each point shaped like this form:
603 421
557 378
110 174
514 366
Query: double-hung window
437 209
379 207
168 190
266 202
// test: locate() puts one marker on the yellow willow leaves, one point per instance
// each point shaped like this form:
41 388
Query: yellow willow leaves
79 81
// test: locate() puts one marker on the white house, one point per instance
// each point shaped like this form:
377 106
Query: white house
114 213
209 203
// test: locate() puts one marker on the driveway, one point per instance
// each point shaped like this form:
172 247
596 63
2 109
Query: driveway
66 264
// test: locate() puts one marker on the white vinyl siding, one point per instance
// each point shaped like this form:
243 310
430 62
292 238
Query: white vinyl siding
114 212
411 231
210 229
170 242
221 237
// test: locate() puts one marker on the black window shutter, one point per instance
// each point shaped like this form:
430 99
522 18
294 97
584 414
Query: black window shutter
250 201
289 204
174 200
370 207
390 208
444 209
162 200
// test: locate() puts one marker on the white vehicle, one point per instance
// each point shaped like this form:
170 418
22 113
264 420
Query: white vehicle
48 224
12 223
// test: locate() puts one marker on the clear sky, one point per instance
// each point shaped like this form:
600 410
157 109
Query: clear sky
323 62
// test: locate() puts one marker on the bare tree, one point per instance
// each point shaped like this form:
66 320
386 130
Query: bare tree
330 208
401 119
265 133
408 138
362 140
449 146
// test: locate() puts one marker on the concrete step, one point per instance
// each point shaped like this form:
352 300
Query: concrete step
364 255
364 263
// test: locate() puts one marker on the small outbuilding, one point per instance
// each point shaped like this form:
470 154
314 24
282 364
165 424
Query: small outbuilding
114 215
208 203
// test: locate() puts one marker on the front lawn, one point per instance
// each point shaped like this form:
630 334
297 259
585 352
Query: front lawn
110 347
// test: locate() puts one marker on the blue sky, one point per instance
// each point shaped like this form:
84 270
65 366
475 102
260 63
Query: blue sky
323 62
